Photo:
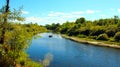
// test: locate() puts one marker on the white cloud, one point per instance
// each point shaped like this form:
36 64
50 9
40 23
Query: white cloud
90 11
33 19
25 12
59 17
118 10
78 12
65 15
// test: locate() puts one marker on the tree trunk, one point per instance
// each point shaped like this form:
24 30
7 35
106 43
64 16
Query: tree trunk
4 27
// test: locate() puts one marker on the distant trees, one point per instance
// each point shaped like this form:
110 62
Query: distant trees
102 29
34 28
80 20
53 27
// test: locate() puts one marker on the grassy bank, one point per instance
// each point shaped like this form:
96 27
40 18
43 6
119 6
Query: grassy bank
93 42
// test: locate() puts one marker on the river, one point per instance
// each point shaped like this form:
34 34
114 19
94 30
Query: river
67 53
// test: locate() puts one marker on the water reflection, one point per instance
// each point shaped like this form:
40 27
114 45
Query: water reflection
66 53
47 59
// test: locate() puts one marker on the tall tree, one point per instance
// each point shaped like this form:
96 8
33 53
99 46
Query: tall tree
4 27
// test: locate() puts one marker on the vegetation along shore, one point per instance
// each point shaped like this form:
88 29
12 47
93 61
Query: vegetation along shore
102 32
97 43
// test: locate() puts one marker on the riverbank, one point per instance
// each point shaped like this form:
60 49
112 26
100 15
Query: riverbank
97 43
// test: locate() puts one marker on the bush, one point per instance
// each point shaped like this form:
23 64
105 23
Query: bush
111 30
81 36
92 37
102 37
84 31
117 37
95 31
73 32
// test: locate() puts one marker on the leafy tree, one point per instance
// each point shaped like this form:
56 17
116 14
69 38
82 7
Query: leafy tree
117 36
111 30
80 20
5 14
66 27
54 27
101 29
97 30
14 38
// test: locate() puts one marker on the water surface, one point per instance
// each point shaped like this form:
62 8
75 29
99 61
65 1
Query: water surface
67 53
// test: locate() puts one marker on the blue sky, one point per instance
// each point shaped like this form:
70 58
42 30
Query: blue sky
59 11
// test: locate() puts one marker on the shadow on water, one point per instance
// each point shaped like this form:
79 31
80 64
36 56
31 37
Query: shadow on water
60 52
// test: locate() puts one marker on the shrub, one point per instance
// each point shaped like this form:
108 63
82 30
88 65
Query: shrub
117 37
81 36
84 31
92 37
102 37
73 31
111 30
95 31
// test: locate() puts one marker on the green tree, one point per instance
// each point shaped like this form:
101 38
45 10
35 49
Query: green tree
111 30
14 38
117 37
97 30
5 14
66 27
80 20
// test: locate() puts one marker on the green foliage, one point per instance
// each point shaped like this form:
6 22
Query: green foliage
116 18
85 31
118 26
74 30
34 28
80 20
92 37
15 38
111 39
111 30
33 64
101 29
101 22
117 37
102 37
81 36
18 38
97 30
54 27
66 27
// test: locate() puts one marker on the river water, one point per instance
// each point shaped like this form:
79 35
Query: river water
67 53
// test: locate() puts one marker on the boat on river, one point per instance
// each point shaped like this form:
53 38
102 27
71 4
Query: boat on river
50 36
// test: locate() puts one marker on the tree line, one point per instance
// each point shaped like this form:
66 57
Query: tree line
107 29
